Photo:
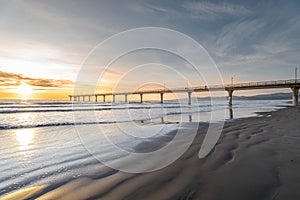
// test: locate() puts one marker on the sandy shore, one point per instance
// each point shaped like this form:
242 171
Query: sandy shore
255 158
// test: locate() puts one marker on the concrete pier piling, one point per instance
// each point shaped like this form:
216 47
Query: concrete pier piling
141 95
189 97
161 98
295 91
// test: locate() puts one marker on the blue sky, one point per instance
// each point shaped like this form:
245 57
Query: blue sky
249 40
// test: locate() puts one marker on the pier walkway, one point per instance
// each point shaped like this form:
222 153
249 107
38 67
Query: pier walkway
293 84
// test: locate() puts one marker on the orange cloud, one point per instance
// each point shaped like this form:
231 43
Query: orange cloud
43 88
12 79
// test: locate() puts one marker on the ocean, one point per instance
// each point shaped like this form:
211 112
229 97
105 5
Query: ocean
40 143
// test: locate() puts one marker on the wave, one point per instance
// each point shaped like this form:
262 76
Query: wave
143 120
52 124
6 127
9 106
89 109
32 106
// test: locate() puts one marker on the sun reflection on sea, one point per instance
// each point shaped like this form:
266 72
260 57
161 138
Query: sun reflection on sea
25 117
25 138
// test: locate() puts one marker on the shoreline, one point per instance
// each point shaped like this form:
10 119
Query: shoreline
255 158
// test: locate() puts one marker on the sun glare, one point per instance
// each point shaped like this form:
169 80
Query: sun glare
24 90
24 138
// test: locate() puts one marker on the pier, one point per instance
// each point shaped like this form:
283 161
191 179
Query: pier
293 84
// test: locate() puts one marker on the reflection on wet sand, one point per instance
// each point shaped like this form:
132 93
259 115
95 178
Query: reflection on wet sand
230 113
24 138
190 118
187 118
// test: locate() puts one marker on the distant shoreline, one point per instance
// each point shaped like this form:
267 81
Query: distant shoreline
272 96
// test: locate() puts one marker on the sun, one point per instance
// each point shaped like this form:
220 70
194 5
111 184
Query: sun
24 89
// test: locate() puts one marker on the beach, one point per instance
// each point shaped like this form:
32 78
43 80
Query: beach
150 100
255 158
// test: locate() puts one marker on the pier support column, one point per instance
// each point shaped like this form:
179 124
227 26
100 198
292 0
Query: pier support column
295 96
230 92
114 98
126 98
89 98
83 97
103 98
189 97
141 95
96 98
161 98
70 98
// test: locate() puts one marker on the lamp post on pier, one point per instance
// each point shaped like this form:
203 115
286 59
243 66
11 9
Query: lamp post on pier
296 70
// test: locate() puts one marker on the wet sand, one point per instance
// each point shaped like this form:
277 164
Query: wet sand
255 158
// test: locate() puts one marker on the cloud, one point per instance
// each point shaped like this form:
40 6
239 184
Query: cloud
113 72
12 79
212 10
50 83
17 48
49 40
157 8
240 32
59 14
4 75
257 42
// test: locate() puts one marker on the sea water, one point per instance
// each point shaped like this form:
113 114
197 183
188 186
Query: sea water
40 143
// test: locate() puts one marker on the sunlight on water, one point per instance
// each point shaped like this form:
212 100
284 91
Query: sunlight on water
24 138
25 117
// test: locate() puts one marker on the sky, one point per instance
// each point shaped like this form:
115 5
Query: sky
44 44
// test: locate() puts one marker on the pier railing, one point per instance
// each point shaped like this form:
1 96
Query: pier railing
265 83
294 84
